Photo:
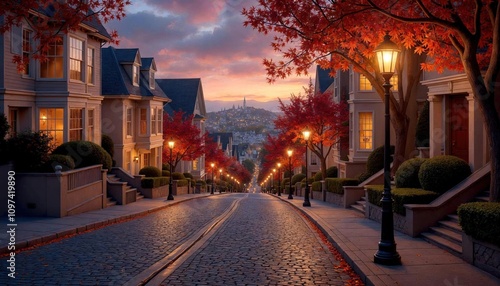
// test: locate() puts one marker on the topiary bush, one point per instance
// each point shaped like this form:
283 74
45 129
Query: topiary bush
477 219
178 176
422 131
407 174
29 151
188 176
150 171
332 172
85 153
66 162
108 145
375 162
336 185
441 173
318 177
400 196
165 173
297 178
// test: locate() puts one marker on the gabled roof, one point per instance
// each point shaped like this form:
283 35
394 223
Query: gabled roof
148 63
323 79
115 79
185 94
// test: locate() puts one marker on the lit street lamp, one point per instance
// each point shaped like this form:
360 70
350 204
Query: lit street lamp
306 203
220 180
171 147
387 55
212 190
272 180
279 179
290 152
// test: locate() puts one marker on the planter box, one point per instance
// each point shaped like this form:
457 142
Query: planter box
374 212
481 254
154 193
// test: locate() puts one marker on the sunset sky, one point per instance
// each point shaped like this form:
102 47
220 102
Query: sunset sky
207 40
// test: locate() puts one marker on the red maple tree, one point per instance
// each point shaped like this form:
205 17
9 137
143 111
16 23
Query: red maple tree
188 140
318 113
49 18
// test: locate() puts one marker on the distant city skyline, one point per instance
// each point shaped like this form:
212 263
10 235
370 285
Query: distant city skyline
207 40
218 105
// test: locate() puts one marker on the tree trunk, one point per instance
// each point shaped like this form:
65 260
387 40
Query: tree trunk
401 123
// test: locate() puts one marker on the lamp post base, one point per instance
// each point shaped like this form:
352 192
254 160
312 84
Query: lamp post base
387 255
307 202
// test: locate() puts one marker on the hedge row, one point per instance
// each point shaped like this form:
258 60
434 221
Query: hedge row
154 182
336 185
477 219
401 196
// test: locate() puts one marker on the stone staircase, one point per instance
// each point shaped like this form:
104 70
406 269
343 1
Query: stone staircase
360 205
129 188
447 233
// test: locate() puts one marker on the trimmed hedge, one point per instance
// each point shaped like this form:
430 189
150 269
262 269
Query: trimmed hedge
66 162
375 162
150 171
85 153
407 174
478 218
400 196
336 185
297 178
316 186
332 172
108 145
182 182
154 182
178 176
188 176
441 173
165 173
318 177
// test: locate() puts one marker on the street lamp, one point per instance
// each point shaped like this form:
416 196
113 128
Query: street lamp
387 55
212 190
272 180
171 147
290 152
220 180
306 133
279 179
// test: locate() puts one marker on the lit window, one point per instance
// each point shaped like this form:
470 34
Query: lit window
75 124
52 123
135 75
143 121
153 121
364 83
365 131
76 59
53 66
90 125
394 82
27 36
90 66
195 164
129 122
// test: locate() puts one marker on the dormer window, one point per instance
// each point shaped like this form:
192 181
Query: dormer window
151 79
135 75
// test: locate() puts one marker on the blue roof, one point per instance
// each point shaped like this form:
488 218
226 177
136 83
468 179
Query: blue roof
183 92
323 79
116 81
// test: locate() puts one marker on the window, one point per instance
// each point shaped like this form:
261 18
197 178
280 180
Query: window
90 125
364 83
135 75
76 59
151 79
314 159
129 122
144 121
90 66
158 156
126 162
53 67
394 82
27 36
351 131
365 131
52 123
153 120
195 165
75 124
159 120
147 159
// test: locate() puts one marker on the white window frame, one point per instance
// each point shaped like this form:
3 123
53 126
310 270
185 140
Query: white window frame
135 75
27 46
365 133
91 65
143 121
76 59
152 79
129 114
90 124
55 58
75 124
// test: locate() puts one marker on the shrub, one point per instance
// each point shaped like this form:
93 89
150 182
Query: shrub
336 185
285 182
85 153
316 186
407 174
108 145
203 183
182 182
188 176
165 173
440 173
29 151
423 130
154 182
332 172
400 196
178 176
165 167
66 162
297 178
477 219
150 171
318 177
4 126
375 162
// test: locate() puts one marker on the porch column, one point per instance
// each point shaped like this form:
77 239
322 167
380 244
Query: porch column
436 121
478 142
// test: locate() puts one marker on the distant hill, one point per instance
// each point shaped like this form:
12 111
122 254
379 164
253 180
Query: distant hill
218 105
249 119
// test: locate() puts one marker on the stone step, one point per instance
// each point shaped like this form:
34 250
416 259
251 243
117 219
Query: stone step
448 234
451 225
110 202
359 208
439 241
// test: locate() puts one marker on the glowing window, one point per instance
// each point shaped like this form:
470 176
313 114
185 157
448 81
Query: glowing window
75 124
52 123
364 83
365 131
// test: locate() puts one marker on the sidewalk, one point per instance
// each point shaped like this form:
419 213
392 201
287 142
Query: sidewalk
354 236
357 237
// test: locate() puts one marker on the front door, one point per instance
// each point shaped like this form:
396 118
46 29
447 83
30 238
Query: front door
458 124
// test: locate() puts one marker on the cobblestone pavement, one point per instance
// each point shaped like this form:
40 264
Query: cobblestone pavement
265 242
114 254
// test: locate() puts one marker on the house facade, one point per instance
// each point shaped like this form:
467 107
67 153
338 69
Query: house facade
187 96
132 108
60 96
